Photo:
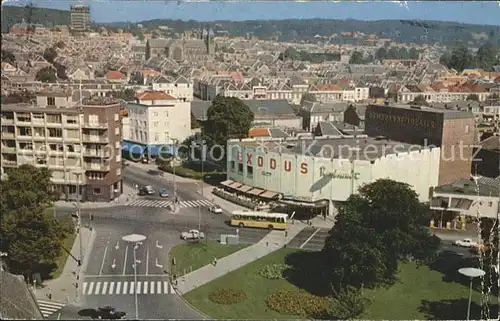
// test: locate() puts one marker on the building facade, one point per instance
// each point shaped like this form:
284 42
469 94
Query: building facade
79 142
327 168
451 130
154 121
80 18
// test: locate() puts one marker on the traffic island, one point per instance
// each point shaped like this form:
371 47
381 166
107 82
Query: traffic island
188 257
278 281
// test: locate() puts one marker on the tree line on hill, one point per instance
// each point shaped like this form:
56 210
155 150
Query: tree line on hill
407 31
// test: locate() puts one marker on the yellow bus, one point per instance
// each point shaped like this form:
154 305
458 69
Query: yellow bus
259 219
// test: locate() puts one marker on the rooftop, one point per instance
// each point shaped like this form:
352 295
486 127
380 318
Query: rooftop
447 113
343 147
485 187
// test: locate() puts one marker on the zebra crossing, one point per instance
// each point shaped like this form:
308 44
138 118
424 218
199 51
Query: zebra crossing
49 307
165 204
127 287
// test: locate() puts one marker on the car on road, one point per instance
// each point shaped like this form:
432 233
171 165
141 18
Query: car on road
216 209
465 243
146 190
192 235
479 248
110 313
163 192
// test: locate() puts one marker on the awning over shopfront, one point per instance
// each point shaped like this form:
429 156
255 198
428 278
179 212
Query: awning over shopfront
244 188
132 147
235 185
255 191
269 194
227 182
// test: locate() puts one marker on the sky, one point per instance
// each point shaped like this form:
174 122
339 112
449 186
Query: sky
105 11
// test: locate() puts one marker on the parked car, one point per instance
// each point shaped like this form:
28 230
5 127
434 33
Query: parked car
163 192
192 235
110 313
479 248
215 209
465 243
146 190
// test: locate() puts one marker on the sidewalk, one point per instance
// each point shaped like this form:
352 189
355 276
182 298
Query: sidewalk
224 204
273 241
128 195
64 289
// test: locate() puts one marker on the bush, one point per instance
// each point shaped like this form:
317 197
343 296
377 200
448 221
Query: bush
227 296
299 303
273 271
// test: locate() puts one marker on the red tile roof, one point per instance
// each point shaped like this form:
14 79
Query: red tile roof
114 75
259 132
154 95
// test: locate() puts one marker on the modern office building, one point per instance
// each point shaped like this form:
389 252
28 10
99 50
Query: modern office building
450 129
314 172
80 18
79 141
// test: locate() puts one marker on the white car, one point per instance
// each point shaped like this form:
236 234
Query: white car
466 243
215 209
192 235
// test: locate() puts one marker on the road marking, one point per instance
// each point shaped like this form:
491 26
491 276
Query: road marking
118 287
97 287
310 237
111 287
152 287
165 287
125 260
91 287
132 284
158 287
120 275
147 260
48 308
138 287
125 287
85 287
104 258
105 288
145 287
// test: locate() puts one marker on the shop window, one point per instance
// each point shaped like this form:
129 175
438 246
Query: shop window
250 171
97 191
233 166
240 169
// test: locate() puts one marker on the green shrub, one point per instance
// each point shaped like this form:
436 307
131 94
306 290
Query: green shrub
227 296
273 271
300 303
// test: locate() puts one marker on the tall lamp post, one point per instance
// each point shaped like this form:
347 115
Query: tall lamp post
78 173
135 239
471 273
174 165
202 162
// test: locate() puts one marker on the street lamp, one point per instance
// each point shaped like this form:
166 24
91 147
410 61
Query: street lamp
203 142
471 273
135 239
78 173
173 167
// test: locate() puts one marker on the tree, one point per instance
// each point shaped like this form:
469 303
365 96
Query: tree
8 57
381 53
347 304
375 230
227 118
127 94
308 97
356 58
472 97
46 74
60 44
460 58
30 238
413 53
486 56
50 54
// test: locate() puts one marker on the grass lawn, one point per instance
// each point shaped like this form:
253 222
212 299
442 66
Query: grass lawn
67 243
419 293
193 255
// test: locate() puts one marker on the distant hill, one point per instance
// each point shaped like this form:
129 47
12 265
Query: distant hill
48 17
410 31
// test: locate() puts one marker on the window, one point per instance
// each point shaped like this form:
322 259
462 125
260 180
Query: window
490 204
118 158
117 144
117 130
250 171
467 129
117 117
240 169
96 191
157 137
233 166
155 124
118 171
155 114
51 101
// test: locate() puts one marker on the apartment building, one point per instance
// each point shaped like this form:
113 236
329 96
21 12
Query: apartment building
180 88
155 120
80 18
80 142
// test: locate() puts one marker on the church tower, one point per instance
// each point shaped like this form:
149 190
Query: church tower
210 42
